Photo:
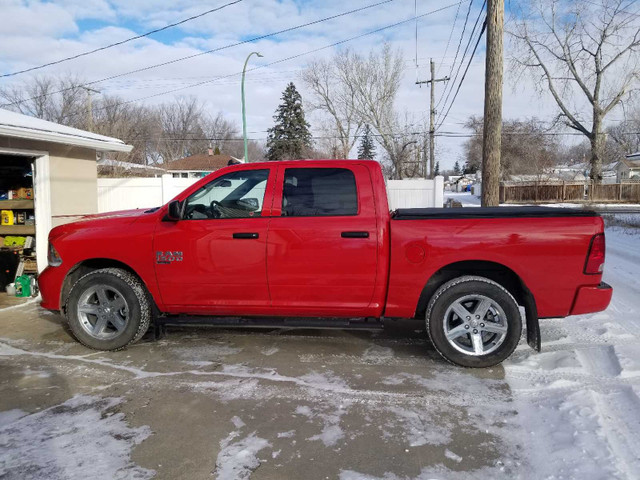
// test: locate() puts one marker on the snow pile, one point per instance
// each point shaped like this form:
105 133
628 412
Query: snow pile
82 438
578 401
238 459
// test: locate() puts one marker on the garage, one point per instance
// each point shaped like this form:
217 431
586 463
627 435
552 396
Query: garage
48 176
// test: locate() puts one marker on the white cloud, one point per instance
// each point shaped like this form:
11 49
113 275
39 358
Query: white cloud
56 36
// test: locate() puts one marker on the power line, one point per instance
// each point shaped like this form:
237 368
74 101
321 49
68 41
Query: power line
73 57
419 133
254 39
453 27
371 32
484 26
464 54
455 58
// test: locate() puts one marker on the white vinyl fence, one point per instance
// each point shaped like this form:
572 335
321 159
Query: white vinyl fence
415 193
128 193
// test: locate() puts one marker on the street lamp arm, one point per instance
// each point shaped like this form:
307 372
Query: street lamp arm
244 118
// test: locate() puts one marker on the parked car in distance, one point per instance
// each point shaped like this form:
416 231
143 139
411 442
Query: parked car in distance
313 243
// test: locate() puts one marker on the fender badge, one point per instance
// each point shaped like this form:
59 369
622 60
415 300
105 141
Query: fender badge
168 257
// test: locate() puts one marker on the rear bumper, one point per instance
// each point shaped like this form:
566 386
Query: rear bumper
592 299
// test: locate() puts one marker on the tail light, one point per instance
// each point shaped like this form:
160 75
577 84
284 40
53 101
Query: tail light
595 258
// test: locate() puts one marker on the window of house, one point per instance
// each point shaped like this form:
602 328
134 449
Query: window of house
319 192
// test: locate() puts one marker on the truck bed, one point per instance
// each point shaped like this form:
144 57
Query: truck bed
489 212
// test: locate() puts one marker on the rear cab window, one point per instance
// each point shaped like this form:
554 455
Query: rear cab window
319 192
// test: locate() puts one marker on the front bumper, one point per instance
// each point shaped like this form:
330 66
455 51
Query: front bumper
50 284
592 299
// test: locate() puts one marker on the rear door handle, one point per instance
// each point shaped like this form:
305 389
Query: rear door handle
246 235
355 234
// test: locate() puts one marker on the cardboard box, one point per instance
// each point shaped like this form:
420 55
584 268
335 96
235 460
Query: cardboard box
21 194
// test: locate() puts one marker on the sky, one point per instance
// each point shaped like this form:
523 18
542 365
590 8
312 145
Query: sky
34 32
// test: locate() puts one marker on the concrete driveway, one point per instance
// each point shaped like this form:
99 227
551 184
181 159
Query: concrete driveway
236 404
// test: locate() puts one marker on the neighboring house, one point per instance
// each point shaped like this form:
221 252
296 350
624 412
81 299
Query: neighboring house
48 173
200 165
628 168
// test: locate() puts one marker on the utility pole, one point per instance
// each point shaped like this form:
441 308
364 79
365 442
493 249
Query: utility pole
89 107
432 118
492 131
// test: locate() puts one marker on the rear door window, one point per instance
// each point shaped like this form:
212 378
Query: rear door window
319 192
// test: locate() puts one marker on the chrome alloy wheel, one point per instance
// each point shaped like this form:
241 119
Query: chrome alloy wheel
103 312
475 325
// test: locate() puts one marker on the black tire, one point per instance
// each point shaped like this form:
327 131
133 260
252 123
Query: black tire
470 292
122 288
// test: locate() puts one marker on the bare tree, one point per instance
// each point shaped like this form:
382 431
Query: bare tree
219 131
377 79
56 99
136 125
583 55
333 84
526 148
181 125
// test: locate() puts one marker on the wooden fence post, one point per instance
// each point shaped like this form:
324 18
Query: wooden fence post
563 192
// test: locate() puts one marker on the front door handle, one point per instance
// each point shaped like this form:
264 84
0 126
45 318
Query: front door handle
246 235
355 234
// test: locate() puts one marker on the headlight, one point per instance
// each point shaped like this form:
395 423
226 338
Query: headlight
53 257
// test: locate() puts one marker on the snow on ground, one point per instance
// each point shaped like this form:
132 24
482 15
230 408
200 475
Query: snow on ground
578 400
56 443
465 198
238 459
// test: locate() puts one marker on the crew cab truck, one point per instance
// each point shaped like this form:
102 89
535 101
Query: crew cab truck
315 240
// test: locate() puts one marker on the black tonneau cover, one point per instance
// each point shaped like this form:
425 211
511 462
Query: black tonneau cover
488 212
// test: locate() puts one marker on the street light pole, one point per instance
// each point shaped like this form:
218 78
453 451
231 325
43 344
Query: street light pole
244 118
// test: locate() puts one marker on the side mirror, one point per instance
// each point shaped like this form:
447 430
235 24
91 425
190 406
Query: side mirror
174 213
249 204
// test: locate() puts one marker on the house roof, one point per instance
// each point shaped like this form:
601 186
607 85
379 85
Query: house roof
17 125
632 161
108 162
201 162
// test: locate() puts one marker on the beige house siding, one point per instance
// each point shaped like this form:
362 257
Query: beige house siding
73 177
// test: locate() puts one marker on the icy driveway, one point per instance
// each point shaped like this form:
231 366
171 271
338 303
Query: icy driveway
233 404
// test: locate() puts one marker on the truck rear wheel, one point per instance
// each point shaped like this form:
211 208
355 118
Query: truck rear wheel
108 309
473 322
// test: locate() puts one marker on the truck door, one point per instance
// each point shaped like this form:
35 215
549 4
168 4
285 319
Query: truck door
214 259
322 245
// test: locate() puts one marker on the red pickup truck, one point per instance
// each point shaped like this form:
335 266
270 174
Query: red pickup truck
313 243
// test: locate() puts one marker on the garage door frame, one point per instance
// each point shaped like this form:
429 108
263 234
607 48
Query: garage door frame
42 199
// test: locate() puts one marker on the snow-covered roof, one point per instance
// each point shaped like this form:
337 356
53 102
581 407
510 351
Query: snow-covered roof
108 162
16 125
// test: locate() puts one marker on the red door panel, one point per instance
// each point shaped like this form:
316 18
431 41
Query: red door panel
323 265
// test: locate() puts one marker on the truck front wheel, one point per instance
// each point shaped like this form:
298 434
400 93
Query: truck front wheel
473 322
108 309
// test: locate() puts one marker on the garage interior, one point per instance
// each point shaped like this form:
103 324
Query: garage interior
18 265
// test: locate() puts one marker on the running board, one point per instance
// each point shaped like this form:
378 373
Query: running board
242 322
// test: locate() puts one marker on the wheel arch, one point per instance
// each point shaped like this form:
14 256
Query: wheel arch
495 271
83 267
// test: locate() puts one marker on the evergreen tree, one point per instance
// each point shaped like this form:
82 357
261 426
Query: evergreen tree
289 137
456 169
436 169
216 151
367 149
